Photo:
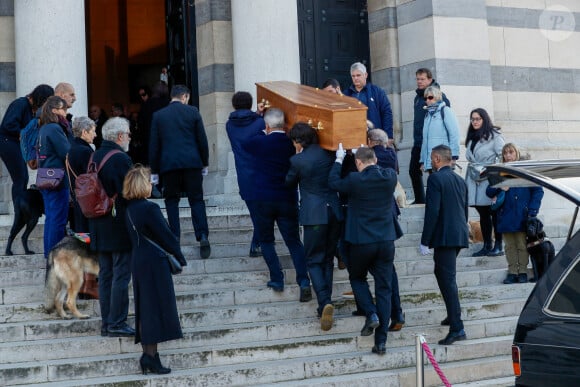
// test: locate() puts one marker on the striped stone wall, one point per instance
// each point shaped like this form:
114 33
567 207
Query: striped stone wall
7 55
216 86
536 74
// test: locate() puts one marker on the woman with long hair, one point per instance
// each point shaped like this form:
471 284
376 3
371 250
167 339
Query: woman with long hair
53 141
483 144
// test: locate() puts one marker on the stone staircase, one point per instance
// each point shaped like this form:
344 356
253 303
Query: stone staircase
238 332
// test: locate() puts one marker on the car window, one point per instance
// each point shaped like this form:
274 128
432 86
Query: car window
565 300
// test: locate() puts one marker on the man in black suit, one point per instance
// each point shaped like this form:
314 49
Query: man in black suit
371 236
319 213
445 230
179 152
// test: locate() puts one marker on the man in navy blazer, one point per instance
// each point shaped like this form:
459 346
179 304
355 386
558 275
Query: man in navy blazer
371 235
276 202
445 230
320 213
178 151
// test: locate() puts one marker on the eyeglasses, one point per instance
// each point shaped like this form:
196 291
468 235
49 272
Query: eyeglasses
142 94
430 97
127 133
476 119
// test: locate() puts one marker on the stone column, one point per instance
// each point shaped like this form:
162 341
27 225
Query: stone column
265 42
50 47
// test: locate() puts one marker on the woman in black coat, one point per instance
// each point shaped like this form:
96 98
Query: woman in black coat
84 132
156 318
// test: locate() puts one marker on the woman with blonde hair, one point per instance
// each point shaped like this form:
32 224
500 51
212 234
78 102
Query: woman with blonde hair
519 204
156 317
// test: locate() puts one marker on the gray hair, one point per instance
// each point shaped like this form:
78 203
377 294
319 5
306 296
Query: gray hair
82 124
114 126
274 118
358 66
434 91
379 136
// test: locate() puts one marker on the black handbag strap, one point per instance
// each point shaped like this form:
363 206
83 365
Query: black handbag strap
145 236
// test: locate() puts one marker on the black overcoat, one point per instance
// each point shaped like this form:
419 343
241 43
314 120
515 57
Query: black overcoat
109 232
156 318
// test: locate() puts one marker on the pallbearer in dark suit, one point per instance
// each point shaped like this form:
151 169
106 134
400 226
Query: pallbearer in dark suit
319 213
276 202
445 230
371 234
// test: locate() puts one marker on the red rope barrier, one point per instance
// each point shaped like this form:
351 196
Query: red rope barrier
434 362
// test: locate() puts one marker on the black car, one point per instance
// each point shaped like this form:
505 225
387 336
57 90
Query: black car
546 347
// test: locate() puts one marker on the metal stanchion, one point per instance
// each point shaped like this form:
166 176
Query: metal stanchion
419 358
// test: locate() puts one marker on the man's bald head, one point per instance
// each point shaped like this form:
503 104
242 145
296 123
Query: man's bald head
66 91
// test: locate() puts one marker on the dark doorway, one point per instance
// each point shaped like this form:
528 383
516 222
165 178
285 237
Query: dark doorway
181 45
333 35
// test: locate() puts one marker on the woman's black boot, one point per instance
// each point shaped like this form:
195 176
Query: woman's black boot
152 364
484 251
497 250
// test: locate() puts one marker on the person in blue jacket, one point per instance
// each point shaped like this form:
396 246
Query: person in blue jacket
17 116
439 128
242 124
53 146
379 108
519 204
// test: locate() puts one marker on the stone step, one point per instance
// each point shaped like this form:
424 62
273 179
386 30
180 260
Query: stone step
507 381
406 377
226 367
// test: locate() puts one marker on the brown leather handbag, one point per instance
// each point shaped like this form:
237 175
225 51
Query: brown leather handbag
90 288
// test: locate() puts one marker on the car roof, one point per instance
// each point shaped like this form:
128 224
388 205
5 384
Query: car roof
560 176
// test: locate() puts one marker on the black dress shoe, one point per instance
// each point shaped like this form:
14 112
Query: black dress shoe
452 337
380 349
305 294
445 321
358 313
370 324
204 247
124 331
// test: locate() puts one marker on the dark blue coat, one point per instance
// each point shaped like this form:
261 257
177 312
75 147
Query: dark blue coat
178 139
370 217
78 158
419 117
241 125
54 146
271 159
17 116
156 318
379 108
519 203
109 233
446 210
309 169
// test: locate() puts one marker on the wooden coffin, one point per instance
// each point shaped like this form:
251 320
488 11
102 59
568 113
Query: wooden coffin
337 118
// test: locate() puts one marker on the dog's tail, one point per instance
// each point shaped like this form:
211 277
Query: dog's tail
52 284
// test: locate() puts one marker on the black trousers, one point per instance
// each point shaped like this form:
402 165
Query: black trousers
488 222
445 272
417 175
189 181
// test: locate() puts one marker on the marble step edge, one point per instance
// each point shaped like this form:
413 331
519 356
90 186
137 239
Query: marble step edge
315 365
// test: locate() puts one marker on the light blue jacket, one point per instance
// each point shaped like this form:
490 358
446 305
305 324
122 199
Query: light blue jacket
437 132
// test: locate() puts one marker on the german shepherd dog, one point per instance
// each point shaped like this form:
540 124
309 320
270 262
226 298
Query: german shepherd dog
539 247
68 261
27 210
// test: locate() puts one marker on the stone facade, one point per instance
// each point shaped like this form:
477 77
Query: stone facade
517 59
